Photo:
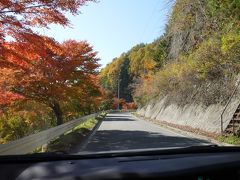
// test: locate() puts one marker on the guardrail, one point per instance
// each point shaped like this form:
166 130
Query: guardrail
29 143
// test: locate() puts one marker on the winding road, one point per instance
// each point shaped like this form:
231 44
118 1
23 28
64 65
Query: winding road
123 131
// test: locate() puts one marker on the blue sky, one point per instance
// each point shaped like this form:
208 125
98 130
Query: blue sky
114 26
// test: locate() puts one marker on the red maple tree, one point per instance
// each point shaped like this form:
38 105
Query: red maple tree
17 20
62 72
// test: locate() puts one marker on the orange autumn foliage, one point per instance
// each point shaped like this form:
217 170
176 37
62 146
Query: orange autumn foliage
60 75
127 106
24 55
7 97
70 66
18 17
21 48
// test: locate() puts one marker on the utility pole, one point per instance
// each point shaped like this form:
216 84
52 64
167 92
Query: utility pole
118 93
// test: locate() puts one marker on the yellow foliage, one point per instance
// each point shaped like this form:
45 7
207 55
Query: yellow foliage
231 41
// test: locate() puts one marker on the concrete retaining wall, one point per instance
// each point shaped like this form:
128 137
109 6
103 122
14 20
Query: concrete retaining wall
195 116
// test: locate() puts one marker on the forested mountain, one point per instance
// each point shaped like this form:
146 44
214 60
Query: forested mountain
196 59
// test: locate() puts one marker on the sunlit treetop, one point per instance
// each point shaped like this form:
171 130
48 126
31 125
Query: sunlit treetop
18 17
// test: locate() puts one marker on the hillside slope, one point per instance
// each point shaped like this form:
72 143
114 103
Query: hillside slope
196 61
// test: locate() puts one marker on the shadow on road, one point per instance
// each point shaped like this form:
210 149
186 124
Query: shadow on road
123 140
119 118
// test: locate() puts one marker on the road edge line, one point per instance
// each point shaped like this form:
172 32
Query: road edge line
186 133
86 140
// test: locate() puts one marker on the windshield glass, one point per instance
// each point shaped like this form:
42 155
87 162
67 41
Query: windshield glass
85 76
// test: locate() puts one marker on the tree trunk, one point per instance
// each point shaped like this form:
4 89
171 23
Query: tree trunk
89 109
57 111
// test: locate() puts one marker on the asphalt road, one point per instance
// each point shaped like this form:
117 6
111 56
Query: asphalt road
122 131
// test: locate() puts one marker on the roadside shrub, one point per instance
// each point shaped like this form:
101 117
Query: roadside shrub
24 118
12 128
127 106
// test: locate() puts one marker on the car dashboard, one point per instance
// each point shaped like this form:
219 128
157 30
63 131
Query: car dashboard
198 164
